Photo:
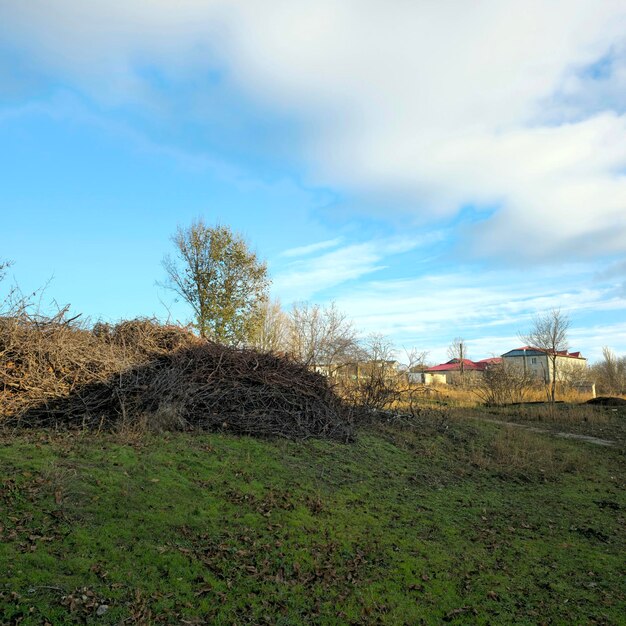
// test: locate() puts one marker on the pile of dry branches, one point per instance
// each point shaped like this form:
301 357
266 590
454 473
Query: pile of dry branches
53 372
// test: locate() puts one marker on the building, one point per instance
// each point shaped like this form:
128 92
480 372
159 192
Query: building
570 366
360 370
454 371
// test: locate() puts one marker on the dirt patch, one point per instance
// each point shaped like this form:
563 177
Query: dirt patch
607 401
578 437
587 438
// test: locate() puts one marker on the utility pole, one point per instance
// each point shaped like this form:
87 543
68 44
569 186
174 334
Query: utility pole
462 358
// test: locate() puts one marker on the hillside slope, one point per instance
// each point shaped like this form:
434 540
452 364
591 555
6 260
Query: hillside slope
424 522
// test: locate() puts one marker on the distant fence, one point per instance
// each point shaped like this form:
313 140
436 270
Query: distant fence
586 388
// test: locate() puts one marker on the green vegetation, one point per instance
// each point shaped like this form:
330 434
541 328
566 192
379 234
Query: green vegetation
428 520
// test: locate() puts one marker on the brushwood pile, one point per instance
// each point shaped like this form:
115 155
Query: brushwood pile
56 373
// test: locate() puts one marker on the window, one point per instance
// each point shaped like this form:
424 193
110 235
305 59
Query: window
533 360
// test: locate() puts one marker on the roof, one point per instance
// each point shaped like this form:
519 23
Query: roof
530 351
491 360
454 365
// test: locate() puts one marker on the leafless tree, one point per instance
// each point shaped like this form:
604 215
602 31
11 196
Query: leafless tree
416 359
377 380
321 335
273 331
381 384
458 350
224 282
549 334
378 355
379 348
610 373
501 384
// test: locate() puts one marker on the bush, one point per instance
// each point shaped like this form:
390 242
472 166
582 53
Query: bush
502 384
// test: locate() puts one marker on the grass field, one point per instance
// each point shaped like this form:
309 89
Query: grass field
436 520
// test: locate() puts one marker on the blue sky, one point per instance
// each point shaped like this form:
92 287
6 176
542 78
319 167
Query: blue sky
438 170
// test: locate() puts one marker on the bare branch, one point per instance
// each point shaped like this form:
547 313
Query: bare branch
549 334
321 336
610 373
273 331
458 350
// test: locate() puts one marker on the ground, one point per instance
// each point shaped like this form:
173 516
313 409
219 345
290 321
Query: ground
443 518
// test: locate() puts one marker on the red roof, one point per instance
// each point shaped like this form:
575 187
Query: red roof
455 365
491 361
472 366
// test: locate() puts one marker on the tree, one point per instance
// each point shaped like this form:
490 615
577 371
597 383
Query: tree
321 335
501 384
224 282
549 334
610 373
458 350
273 331
377 384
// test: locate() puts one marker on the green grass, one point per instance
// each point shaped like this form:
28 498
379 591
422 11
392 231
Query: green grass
426 522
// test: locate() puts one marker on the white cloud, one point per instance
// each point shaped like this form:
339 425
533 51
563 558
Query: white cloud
440 105
487 308
596 337
311 248
304 278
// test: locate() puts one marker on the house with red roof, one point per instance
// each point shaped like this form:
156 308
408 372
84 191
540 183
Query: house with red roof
570 367
456 370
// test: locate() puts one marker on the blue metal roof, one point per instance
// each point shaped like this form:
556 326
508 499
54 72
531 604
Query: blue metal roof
528 352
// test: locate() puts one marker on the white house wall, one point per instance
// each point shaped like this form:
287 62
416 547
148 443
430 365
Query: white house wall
541 368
